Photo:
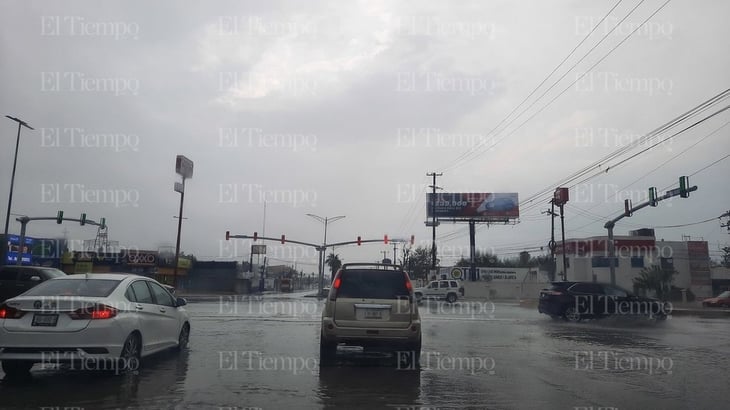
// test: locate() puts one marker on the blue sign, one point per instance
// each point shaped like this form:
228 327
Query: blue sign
13 245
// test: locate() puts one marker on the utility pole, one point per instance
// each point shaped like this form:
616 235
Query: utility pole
551 244
727 224
395 254
433 217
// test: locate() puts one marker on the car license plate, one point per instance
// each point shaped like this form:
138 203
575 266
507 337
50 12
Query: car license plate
372 314
44 320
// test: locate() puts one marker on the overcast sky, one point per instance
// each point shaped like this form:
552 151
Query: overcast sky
342 107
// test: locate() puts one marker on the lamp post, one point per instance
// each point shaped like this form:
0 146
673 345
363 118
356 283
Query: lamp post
21 124
323 248
184 168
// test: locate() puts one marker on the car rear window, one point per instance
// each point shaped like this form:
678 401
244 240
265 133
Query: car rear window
74 287
372 284
53 273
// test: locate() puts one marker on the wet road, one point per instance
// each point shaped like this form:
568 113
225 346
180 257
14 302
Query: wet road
263 353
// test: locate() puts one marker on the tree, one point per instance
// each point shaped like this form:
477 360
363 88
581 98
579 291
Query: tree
419 263
657 279
726 257
334 262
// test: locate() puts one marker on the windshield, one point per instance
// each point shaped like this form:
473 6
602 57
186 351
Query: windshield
75 287
725 294
54 273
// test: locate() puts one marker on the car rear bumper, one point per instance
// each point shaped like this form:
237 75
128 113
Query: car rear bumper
365 336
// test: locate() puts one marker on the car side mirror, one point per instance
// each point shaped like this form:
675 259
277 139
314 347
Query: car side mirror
35 278
181 302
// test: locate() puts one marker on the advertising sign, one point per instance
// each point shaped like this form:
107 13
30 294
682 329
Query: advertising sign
141 258
13 248
184 166
477 206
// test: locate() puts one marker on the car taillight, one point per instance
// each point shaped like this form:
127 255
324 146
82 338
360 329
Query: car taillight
7 312
409 285
335 287
93 312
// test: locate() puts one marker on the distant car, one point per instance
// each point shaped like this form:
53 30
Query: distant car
371 306
15 280
721 300
102 321
446 289
575 301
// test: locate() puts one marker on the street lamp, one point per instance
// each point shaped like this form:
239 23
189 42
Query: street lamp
323 248
21 124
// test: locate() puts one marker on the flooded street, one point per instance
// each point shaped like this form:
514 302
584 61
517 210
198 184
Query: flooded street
263 353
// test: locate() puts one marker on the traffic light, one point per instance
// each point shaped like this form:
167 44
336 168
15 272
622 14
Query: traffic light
652 196
283 239
359 241
683 187
627 207
413 239
82 220
255 236
59 217
385 239
228 235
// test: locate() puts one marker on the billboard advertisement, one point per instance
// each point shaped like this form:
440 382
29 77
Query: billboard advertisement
478 206
13 248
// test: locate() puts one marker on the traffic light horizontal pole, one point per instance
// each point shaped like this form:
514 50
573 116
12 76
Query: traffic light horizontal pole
317 246
264 238
667 195
25 219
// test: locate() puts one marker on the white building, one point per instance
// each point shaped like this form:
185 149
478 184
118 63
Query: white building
587 260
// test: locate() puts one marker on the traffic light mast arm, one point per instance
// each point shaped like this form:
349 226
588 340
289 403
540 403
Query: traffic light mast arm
667 195
275 239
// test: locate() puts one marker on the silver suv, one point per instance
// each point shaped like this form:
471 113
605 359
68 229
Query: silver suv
444 289
372 306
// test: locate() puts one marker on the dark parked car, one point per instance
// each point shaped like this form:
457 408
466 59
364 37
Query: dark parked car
721 300
575 301
15 280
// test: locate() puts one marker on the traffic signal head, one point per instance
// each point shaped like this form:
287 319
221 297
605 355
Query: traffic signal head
283 239
102 223
59 217
627 207
652 196
359 241
82 220
385 239
228 235
413 239
255 236
683 187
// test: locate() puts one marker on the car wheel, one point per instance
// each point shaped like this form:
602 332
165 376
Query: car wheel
131 357
451 297
410 357
327 352
184 337
571 314
17 369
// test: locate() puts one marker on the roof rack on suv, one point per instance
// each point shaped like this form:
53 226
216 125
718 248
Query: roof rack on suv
376 265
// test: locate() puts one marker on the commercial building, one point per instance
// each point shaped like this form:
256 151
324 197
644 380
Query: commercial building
587 260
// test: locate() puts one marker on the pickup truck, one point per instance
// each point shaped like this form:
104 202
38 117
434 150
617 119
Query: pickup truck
446 289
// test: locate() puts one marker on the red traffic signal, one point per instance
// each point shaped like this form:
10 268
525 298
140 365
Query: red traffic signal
359 241
228 235
283 239
385 239
255 236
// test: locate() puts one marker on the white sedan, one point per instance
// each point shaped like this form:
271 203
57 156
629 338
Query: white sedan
94 321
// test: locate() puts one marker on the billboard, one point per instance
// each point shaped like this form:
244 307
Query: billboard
494 207
13 248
